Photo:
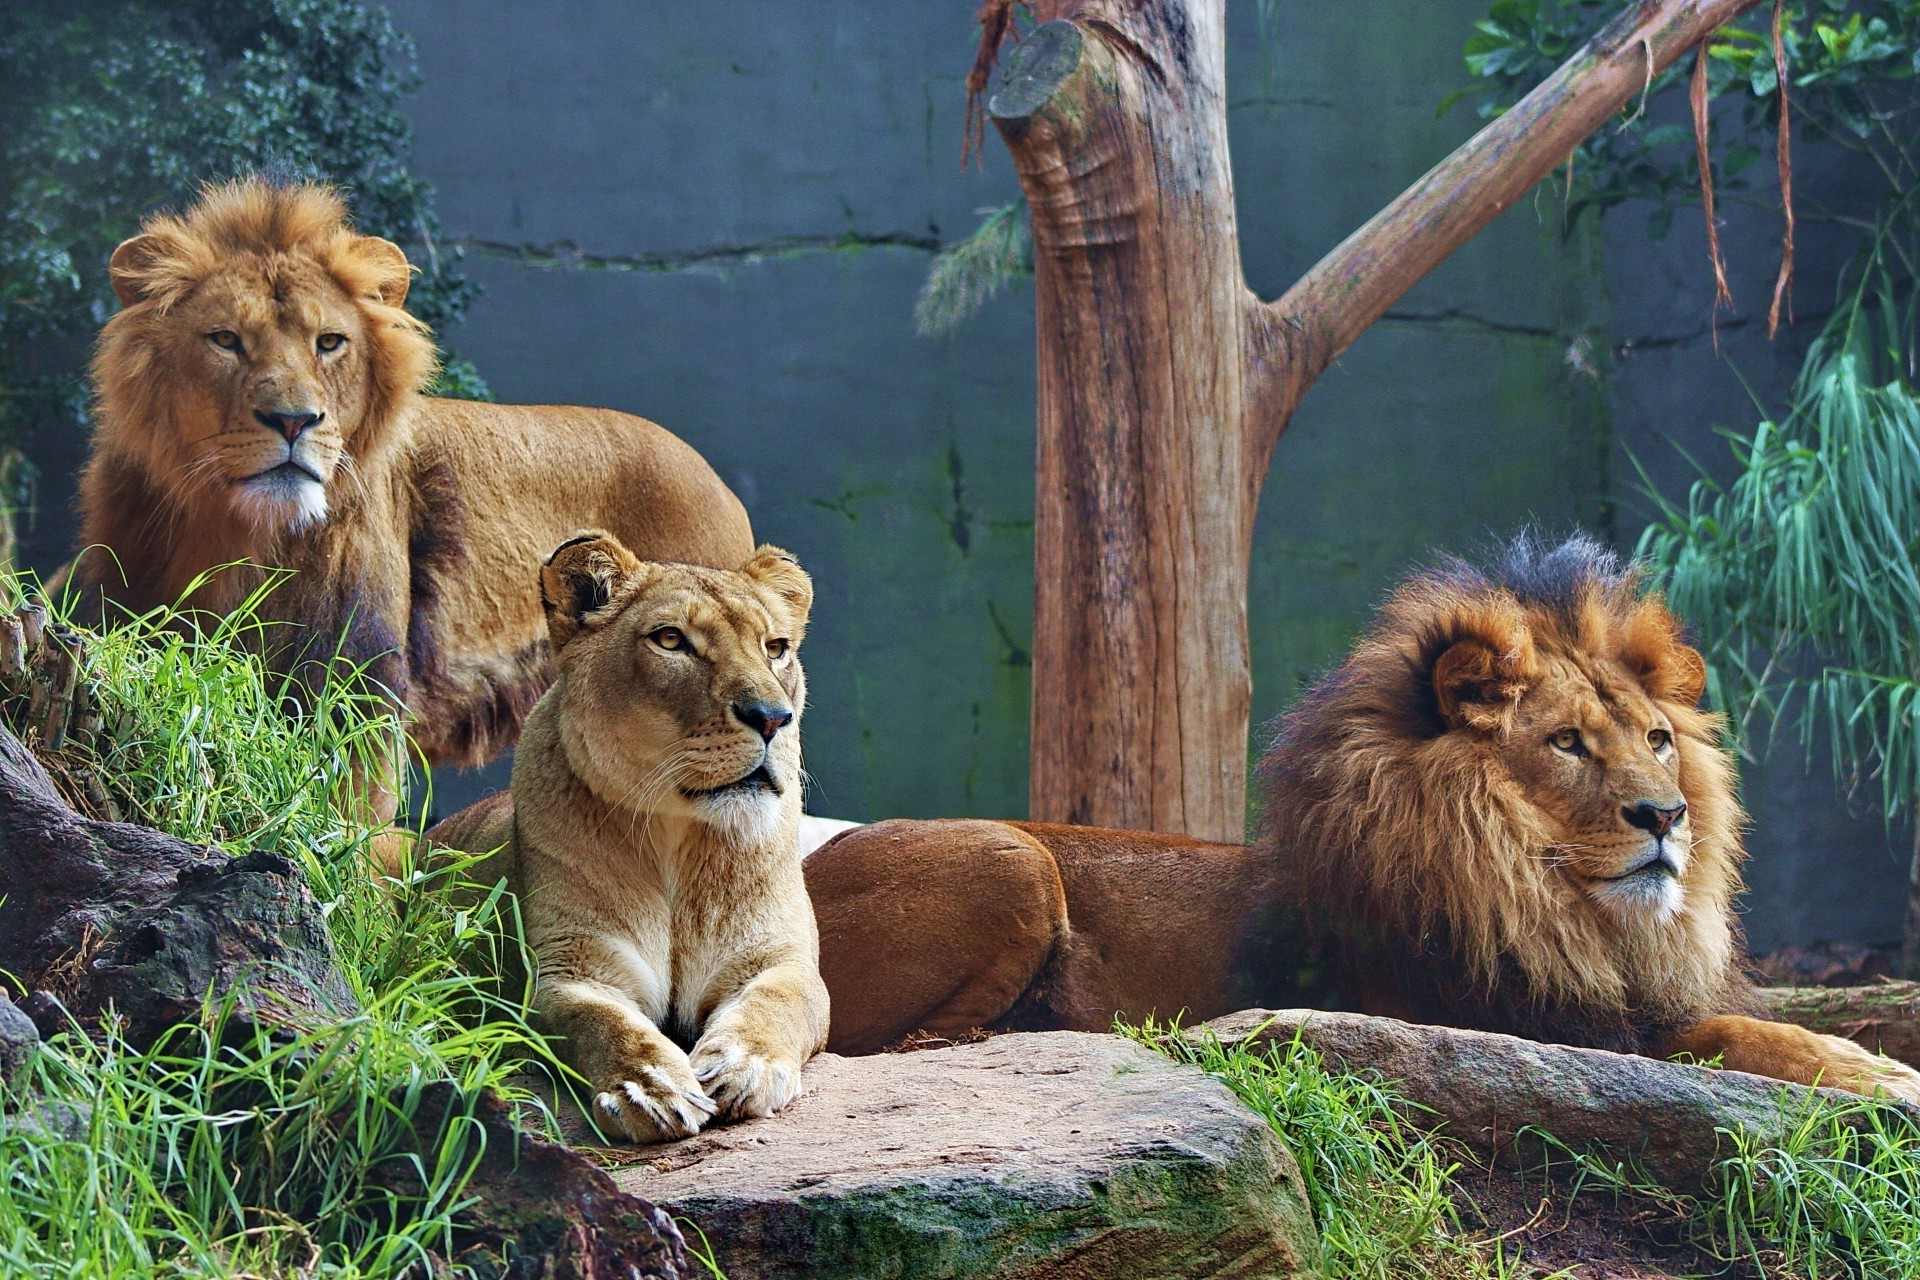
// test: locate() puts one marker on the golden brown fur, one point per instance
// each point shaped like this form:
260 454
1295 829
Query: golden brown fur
406 520
1503 811
651 835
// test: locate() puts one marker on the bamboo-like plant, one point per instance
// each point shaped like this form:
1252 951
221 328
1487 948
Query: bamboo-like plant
1800 576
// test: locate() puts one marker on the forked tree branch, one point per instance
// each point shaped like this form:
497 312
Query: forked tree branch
1297 337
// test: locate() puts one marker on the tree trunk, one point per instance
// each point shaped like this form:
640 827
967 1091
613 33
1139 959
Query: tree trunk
1164 383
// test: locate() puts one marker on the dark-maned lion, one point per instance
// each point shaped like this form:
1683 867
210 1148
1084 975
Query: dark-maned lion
1503 811
260 402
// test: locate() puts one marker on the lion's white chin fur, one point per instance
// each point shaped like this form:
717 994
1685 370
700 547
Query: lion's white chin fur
743 816
281 500
1650 898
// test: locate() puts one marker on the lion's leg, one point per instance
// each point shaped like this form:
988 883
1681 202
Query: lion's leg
931 926
1783 1051
645 1087
754 1044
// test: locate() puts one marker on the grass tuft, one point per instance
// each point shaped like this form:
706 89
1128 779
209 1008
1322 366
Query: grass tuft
221 1152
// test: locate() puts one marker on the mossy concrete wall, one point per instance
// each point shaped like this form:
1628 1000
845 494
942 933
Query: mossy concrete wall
718 215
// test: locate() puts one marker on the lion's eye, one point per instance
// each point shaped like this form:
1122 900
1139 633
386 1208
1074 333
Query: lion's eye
331 341
1658 739
670 638
1567 740
225 339
777 649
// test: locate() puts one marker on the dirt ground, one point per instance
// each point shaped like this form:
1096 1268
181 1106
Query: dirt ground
1584 1234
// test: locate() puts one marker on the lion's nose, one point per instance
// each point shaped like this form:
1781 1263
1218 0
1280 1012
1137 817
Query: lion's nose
1649 816
288 422
764 718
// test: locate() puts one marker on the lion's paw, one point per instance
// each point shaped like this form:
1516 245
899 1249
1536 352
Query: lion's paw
1874 1074
742 1081
655 1105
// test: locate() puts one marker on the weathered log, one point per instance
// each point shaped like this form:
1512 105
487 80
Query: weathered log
1164 383
111 916
1885 1017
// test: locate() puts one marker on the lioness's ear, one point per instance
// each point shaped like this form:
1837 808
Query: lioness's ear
387 266
131 269
581 578
1482 673
780 573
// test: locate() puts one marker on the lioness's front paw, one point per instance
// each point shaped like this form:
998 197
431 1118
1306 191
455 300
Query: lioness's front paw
741 1080
656 1105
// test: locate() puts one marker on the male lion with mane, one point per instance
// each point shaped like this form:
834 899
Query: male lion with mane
1504 811
652 837
260 402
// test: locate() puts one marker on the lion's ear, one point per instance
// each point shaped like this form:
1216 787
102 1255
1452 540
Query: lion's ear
1479 678
1672 672
780 573
580 579
132 267
1669 668
386 266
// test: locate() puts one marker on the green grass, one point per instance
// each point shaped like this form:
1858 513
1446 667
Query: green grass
1834 1192
212 1154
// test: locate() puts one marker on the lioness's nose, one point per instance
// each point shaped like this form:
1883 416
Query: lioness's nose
1649 816
764 718
288 422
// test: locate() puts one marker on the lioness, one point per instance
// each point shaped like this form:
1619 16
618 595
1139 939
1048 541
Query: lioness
651 834
1503 811
260 402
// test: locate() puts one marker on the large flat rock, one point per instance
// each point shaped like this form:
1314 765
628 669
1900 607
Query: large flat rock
1062 1154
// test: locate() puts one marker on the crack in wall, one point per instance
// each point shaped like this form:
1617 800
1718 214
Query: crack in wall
569 255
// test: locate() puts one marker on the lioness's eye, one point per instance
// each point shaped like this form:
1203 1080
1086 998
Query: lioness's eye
1658 739
331 341
1566 740
669 638
777 649
225 339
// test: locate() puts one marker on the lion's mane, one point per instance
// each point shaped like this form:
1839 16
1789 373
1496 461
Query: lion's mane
1421 868
139 393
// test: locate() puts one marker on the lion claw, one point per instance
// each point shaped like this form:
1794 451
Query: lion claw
654 1107
744 1084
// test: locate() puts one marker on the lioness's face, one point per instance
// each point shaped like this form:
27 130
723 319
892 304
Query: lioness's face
680 687
1600 761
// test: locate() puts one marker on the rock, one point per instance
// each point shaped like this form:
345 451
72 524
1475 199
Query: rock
1483 1089
19 1040
537 1210
1062 1154
109 914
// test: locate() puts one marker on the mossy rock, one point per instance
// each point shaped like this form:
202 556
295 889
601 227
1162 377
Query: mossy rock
1053 1155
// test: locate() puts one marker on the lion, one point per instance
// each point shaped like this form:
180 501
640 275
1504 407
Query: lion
1504 811
260 410
651 836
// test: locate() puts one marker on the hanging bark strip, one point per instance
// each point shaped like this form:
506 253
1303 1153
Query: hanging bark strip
1697 93
996 25
1783 160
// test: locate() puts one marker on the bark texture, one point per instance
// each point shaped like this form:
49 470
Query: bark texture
1164 383
1884 1017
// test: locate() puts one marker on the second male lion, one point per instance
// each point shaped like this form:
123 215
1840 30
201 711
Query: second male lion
652 836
